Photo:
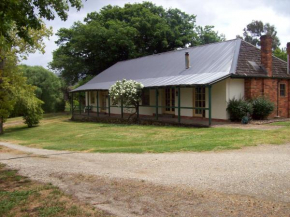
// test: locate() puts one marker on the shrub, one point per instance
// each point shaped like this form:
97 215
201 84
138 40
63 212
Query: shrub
33 112
262 108
238 108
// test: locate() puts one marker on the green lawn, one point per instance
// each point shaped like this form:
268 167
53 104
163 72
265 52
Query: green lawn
57 132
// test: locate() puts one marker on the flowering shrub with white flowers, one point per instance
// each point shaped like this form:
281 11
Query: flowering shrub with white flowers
127 91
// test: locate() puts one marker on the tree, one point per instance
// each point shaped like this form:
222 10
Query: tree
49 86
27 14
13 85
206 35
127 92
22 31
119 33
256 29
280 53
15 90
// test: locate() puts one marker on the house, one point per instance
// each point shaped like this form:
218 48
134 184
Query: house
197 82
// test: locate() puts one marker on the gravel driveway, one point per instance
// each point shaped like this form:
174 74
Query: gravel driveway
250 181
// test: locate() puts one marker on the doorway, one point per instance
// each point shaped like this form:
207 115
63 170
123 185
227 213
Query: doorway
169 101
199 101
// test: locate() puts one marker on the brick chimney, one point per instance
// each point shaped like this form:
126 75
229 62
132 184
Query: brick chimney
266 53
288 57
187 65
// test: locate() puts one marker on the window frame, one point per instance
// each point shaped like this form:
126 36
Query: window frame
145 102
92 98
282 89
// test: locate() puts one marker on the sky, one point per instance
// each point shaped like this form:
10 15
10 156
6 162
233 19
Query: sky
228 16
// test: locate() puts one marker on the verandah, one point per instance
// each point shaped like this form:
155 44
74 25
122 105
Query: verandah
88 107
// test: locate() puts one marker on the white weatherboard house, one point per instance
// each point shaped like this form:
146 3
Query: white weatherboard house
189 84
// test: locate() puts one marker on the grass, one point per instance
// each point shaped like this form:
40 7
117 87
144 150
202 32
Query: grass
20 196
58 133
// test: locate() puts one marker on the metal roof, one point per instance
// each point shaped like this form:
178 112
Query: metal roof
208 63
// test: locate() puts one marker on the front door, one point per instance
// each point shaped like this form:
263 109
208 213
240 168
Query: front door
169 101
199 101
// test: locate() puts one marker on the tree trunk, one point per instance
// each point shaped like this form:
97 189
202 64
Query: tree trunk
1 72
1 126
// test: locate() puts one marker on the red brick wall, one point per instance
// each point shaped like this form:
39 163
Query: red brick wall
255 87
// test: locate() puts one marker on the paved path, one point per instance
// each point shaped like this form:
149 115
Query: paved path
261 172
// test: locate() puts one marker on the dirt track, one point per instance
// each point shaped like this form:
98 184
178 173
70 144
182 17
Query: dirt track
247 182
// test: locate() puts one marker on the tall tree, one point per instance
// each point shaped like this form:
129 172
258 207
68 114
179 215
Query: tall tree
256 29
20 22
120 33
13 87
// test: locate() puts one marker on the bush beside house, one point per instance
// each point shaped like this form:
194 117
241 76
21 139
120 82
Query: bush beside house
258 108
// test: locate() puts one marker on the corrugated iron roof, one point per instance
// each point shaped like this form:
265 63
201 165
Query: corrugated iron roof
208 63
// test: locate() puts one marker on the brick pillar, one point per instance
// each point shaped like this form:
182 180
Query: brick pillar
288 57
266 53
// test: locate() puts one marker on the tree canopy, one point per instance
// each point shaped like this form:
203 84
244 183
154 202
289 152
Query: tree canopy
254 30
48 87
21 32
27 14
281 53
120 33
206 35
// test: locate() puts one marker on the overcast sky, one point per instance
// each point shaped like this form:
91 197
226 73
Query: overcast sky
228 17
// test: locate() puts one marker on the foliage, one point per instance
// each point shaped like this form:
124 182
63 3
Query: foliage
49 87
23 16
256 29
207 35
281 53
127 92
15 90
239 108
120 33
32 112
262 108
21 32
83 81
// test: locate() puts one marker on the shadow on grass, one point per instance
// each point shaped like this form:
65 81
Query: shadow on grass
17 129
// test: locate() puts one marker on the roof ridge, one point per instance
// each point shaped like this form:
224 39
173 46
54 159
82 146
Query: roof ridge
236 56
182 49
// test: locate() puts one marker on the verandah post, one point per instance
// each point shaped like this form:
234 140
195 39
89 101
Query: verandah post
80 106
109 107
156 103
178 89
138 111
72 103
88 107
122 112
209 105
97 103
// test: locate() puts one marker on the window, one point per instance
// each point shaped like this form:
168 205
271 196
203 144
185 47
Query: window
170 100
282 90
92 98
145 97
